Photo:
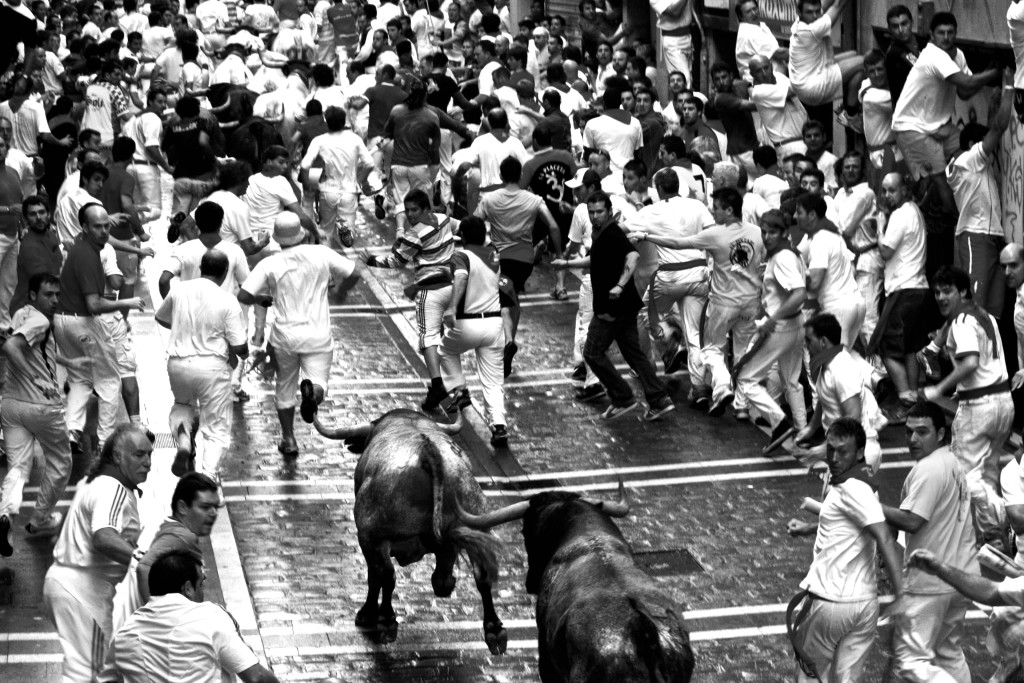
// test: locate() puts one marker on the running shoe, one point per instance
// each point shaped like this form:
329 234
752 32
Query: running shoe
615 411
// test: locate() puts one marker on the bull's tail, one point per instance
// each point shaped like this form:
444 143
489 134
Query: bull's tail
431 458
646 637
482 549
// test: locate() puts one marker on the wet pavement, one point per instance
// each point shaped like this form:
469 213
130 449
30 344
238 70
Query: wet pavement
707 521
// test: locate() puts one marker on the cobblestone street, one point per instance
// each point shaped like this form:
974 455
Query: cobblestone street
707 520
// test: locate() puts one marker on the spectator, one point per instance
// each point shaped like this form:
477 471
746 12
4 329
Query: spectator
674 23
857 211
818 76
876 101
754 38
782 114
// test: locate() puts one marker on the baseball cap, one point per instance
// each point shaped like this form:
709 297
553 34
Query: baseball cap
584 176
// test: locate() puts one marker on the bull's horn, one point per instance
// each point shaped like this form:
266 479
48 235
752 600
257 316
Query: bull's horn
616 509
494 518
342 432
452 428
221 107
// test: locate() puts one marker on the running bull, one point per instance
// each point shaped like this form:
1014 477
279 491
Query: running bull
600 618
408 478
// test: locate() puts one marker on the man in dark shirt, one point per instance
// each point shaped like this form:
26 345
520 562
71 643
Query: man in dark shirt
79 332
651 123
903 48
192 146
16 27
545 174
416 132
40 249
612 261
554 121
734 109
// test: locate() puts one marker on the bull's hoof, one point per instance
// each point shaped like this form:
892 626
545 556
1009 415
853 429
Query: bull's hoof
366 617
496 638
443 585
387 629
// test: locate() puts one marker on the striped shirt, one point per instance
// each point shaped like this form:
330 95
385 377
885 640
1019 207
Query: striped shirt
429 246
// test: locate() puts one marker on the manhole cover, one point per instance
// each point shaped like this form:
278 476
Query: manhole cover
668 562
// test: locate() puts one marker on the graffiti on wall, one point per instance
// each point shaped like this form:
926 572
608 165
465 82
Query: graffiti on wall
1011 165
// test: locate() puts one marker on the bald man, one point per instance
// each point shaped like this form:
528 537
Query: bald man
781 112
1011 259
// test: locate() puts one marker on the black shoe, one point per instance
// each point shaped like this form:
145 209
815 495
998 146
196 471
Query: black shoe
308 407
718 406
499 436
345 236
183 462
75 437
510 352
783 431
378 207
460 401
5 544
579 373
434 398
591 393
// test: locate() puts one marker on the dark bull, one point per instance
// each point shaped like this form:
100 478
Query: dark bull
600 618
407 481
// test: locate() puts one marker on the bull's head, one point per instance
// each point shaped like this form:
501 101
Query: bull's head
356 437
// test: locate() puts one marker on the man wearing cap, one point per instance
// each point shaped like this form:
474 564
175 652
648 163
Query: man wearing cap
295 281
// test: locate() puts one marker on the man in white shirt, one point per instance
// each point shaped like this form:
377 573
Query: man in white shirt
615 131
935 514
295 281
923 115
95 547
856 209
884 155
980 233
818 77
207 339
487 152
177 631
781 112
984 414
836 620
674 20
754 38
146 129
902 327
347 162
816 143
768 184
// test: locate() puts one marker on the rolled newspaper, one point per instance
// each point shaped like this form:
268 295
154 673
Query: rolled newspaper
992 559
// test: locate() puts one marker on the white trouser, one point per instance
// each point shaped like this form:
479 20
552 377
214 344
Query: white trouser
927 639
980 428
25 424
486 336
720 321
584 314
837 637
202 384
870 285
678 55
81 606
445 174
9 248
850 314
675 292
336 209
147 190
782 346
78 338
316 367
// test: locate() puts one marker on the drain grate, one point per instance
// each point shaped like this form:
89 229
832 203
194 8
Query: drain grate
669 562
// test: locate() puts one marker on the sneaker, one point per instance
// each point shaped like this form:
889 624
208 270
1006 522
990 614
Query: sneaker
460 400
499 436
434 398
579 373
676 360
182 464
308 407
378 207
718 405
48 528
288 447
782 431
699 400
510 352
346 236
652 413
591 393
741 414
615 411
5 529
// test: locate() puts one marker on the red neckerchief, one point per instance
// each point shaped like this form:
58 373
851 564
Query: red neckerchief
859 471
822 359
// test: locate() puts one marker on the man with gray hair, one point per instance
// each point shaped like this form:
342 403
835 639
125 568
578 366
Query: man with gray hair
1011 258
729 174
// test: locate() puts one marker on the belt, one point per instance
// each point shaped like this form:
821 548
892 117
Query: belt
477 316
997 388
76 315
683 265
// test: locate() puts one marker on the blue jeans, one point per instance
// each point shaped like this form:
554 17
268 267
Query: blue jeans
622 331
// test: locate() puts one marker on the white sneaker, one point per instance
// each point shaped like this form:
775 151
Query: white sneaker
48 527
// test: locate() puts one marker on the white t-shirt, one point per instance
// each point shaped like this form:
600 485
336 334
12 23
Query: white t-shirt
27 123
843 568
235 227
171 638
266 198
145 130
679 217
783 273
204 319
828 252
905 233
212 15
1011 483
485 79
102 503
737 251
810 50
928 99
620 140
854 207
877 109
22 165
343 154
66 215
754 206
770 187
185 260
826 163
753 41
967 337
155 40
977 193
842 379
1015 22
783 116
488 152
297 278
53 69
